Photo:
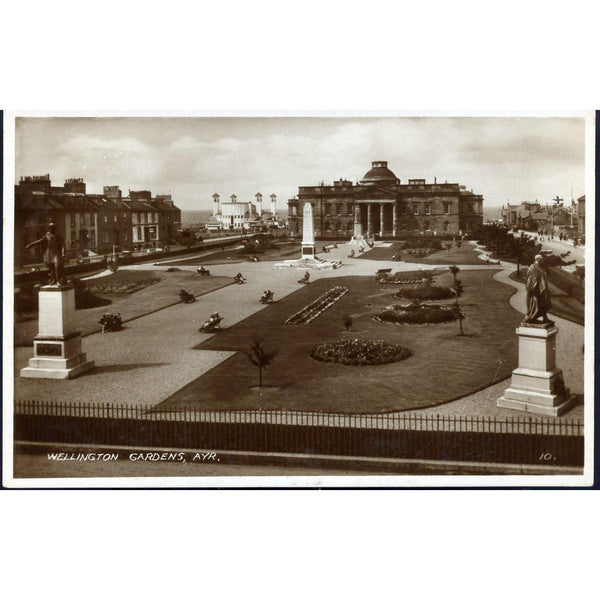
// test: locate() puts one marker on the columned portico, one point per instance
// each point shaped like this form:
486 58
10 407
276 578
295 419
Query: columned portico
370 220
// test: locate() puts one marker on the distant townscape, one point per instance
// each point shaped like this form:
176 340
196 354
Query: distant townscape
99 223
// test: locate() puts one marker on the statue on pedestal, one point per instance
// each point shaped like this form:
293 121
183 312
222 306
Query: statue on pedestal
54 251
538 294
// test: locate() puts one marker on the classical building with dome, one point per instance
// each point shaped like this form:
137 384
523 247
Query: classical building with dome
386 207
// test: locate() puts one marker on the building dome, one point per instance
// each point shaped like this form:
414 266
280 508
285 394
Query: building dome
379 173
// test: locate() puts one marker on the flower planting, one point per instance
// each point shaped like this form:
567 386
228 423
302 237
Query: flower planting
123 287
417 313
425 292
360 352
316 307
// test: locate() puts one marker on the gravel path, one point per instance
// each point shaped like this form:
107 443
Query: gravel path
155 357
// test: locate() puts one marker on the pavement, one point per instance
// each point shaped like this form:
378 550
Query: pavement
151 360
560 247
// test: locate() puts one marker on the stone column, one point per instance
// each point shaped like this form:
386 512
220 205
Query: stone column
394 218
57 346
381 216
369 220
308 237
537 384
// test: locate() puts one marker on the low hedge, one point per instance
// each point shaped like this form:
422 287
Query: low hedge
418 313
425 292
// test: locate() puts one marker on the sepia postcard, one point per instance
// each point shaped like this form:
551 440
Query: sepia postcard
298 300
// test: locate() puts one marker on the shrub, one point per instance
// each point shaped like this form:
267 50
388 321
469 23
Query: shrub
418 313
26 299
360 352
425 292
85 298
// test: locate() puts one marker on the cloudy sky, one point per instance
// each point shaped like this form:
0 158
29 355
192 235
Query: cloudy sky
502 158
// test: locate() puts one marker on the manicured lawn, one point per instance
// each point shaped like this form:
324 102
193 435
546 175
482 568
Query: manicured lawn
153 297
283 251
455 256
444 366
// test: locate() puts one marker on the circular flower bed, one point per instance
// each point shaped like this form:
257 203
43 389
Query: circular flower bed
425 292
360 352
418 313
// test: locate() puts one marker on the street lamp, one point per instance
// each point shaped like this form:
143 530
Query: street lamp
322 186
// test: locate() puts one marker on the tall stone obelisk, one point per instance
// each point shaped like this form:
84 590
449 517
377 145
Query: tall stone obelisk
308 234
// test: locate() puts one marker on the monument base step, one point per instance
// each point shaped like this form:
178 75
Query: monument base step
49 372
308 263
540 404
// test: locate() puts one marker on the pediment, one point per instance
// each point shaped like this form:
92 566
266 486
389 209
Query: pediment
375 191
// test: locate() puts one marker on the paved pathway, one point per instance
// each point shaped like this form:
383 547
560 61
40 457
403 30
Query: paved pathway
154 358
569 356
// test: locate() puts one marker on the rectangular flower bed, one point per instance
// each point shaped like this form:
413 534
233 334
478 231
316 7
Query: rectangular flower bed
311 311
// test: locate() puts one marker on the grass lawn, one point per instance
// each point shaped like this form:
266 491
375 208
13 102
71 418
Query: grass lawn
444 365
153 297
466 255
283 251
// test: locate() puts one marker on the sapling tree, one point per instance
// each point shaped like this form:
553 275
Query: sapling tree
260 357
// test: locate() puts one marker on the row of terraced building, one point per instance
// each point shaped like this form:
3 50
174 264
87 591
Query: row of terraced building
100 223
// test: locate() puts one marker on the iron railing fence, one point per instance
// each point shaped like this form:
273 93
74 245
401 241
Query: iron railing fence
515 440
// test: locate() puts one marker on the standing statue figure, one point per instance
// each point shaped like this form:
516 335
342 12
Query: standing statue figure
54 252
538 294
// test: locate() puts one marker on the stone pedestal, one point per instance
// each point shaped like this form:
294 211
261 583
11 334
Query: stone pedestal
57 346
537 384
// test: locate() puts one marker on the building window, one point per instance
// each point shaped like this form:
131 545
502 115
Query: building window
125 236
82 220
446 226
105 219
327 210
116 217
427 208
446 208
338 209
326 226
350 210
72 220
338 226
350 227
415 209
403 209
106 237
125 215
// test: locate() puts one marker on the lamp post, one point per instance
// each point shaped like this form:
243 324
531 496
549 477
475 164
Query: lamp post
322 186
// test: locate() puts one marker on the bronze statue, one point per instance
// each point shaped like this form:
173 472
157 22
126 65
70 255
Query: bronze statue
538 294
54 252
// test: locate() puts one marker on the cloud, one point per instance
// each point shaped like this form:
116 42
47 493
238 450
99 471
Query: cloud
517 158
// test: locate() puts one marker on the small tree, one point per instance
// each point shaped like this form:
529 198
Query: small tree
348 320
458 289
454 270
260 357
